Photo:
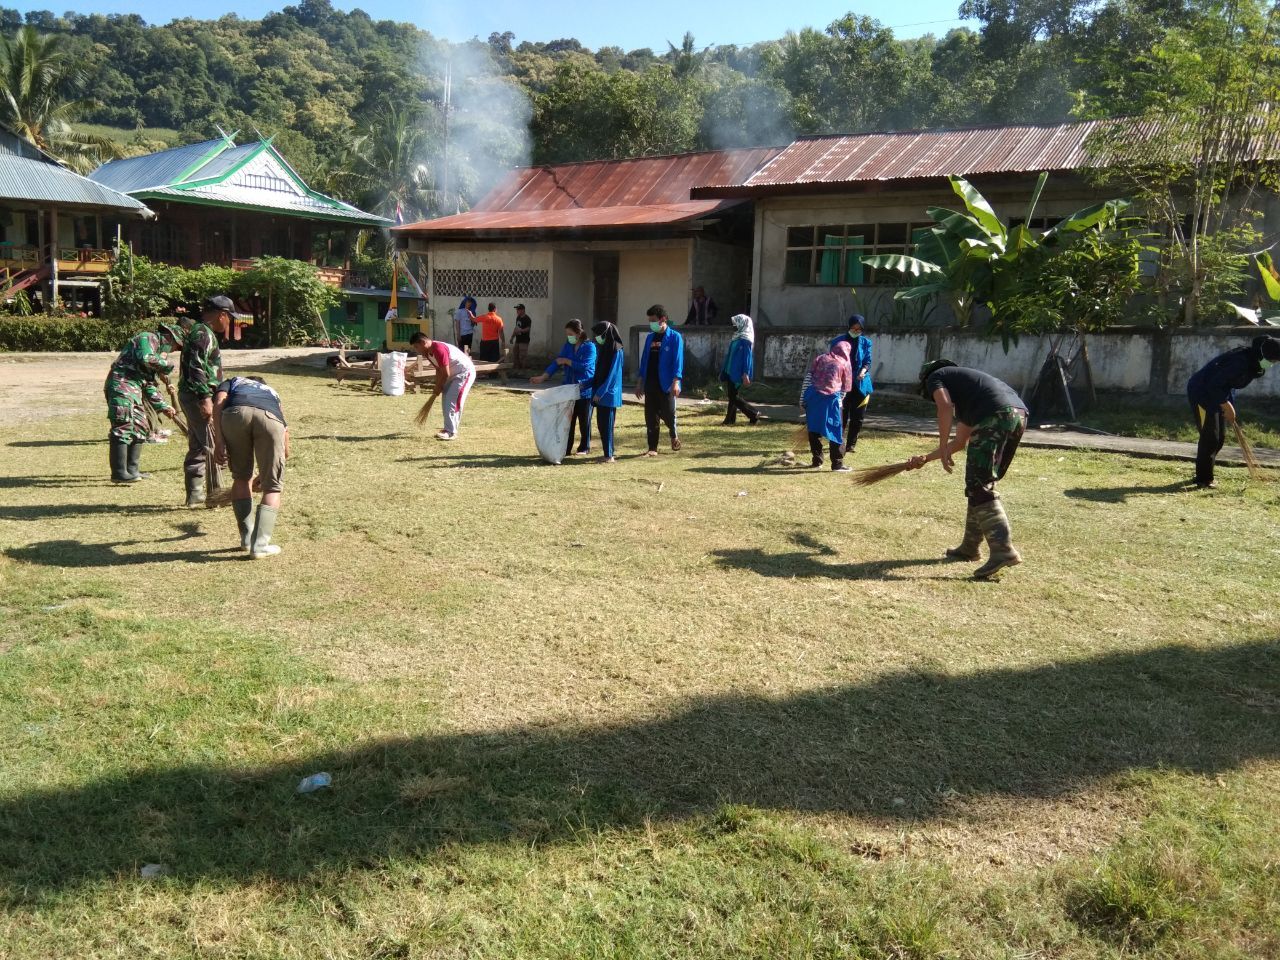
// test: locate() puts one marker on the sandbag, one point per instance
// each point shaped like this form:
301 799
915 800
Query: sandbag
550 412
392 367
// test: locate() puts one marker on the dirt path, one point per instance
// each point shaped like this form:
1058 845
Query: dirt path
42 386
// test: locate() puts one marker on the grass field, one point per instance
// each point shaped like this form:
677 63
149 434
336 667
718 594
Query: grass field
695 706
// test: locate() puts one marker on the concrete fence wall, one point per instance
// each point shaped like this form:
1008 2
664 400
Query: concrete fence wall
1151 362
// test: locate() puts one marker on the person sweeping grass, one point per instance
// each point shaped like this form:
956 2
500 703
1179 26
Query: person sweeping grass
455 374
1212 394
990 419
830 379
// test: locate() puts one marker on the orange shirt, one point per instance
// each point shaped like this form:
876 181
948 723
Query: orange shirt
490 326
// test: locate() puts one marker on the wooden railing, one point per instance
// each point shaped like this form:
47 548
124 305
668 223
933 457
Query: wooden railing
84 260
333 276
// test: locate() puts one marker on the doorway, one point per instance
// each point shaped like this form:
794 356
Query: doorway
604 275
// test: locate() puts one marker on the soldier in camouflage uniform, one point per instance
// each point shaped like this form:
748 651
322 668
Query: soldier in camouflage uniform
201 372
130 385
990 419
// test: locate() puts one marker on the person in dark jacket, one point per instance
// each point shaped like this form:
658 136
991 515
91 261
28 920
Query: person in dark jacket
990 419
577 360
661 373
739 367
606 385
1212 392
857 399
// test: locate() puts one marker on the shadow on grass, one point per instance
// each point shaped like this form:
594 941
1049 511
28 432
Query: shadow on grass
904 747
17 483
477 460
73 553
805 564
56 443
377 439
62 511
1121 494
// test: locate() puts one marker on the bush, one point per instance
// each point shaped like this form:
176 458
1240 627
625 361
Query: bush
67 334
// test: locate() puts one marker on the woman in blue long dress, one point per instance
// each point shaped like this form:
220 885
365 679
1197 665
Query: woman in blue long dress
830 378
738 369
857 399
606 384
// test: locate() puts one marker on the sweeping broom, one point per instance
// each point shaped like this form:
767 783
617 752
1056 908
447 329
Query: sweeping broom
421 418
1255 470
869 475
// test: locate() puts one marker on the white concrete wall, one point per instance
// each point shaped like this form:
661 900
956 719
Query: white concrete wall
475 256
1188 353
571 291
646 277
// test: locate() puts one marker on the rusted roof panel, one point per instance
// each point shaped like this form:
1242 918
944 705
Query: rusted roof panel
569 219
833 160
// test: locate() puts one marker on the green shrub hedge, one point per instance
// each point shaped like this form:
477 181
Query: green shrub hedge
67 334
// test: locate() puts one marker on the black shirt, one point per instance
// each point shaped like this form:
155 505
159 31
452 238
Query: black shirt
523 326
652 381
976 395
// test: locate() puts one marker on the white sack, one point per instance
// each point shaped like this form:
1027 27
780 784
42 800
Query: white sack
392 367
550 412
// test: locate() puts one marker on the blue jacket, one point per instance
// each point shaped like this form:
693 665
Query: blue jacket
608 392
739 362
1218 380
670 359
582 367
859 359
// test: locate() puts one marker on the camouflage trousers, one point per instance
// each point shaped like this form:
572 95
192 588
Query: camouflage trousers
991 448
126 408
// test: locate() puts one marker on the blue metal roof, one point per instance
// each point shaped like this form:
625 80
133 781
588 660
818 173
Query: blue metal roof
39 181
223 163
156 169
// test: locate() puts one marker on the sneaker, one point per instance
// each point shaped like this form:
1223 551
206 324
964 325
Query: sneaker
651 453
446 436
1211 485
675 443
815 464
842 469
608 459
270 550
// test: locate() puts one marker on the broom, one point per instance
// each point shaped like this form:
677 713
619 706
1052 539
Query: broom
421 418
869 475
1255 471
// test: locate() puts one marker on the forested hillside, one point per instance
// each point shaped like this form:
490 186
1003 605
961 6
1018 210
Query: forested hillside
379 112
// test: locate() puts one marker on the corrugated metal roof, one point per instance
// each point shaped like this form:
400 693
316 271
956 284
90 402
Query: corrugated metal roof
12 145
817 162
567 219
223 163
647 191
41 181
281 203
161 169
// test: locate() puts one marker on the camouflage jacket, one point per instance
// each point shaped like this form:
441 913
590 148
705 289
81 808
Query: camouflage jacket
201 364
140 362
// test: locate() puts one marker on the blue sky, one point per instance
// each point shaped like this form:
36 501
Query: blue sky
649 23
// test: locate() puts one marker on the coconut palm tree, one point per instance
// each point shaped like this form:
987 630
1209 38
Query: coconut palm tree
41 92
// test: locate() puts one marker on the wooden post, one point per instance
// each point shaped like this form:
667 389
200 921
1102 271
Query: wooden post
53 259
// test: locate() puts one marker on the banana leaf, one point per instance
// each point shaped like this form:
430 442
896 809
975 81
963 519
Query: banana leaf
938 247
1100 213
958 224
1035 196
911 266
1270 279
922 290
977 205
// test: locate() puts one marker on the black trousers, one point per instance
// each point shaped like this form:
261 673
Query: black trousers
736 403
581 419
855 411
659 407
815 447
1213 432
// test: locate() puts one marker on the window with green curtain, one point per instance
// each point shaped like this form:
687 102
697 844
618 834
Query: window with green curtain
829 262
854 272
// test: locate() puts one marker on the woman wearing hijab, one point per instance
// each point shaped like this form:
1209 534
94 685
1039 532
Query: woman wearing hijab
1212 392
830 378
856 401
739 365
606 384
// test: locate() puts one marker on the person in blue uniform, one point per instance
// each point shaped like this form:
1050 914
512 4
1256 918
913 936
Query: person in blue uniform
577 360
661 371
739 366
857 399
606 385
1212 393
830 379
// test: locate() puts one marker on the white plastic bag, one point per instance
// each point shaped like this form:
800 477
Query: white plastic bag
392 367
550 412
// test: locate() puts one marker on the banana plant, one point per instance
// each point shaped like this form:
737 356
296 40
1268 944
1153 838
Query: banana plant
1269 314
970 256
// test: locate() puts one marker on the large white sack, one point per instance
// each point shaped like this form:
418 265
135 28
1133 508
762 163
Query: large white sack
550 412
392 367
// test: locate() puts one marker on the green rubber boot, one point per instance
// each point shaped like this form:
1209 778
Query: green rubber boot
243 509
135 459
195 492
970 547
999 536
262 545
119 456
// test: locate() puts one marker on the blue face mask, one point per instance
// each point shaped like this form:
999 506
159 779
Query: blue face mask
655 327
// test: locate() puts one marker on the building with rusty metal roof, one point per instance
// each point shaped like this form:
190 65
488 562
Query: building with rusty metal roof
599 240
